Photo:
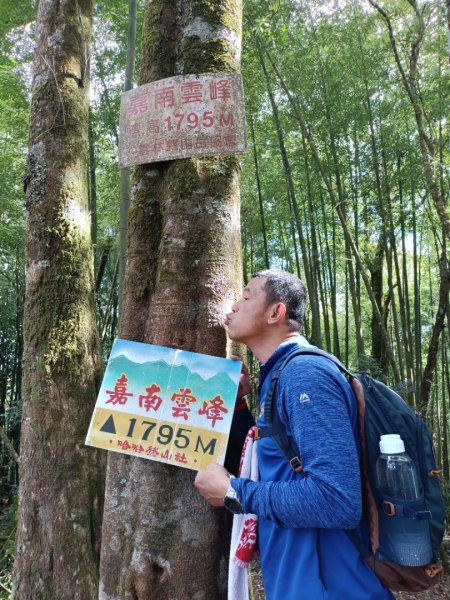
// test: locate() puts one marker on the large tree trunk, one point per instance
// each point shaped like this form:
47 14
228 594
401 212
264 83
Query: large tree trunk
160 539
60 486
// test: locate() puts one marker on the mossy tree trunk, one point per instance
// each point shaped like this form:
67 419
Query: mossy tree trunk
160 539
61 479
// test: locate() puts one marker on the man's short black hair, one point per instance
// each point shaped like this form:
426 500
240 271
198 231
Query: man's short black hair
284 287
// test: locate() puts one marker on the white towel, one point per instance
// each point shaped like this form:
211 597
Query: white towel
243 533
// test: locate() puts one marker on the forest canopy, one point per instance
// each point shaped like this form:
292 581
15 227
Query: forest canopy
345 183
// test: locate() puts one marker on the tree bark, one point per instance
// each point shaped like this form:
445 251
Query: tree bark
160 538
61 479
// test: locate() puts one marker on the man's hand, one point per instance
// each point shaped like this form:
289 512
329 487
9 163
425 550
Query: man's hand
212 483
244 381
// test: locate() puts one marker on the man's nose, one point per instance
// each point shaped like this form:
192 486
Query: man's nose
232 310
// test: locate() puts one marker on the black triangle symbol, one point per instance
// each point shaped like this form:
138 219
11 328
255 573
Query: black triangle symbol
109 426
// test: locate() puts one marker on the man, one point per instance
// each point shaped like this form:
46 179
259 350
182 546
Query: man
305 555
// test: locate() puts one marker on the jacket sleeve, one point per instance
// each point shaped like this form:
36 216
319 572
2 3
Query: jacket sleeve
314 403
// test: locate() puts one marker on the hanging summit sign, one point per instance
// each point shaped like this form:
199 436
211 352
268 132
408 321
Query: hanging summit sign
178 117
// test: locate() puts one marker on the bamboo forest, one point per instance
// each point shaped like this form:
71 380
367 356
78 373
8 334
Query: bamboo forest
345 183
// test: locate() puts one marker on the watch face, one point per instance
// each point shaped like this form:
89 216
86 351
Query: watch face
232 502
233 505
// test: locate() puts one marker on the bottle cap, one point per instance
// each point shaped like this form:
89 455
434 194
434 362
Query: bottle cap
391 444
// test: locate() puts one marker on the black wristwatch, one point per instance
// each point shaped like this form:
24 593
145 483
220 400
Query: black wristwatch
232 501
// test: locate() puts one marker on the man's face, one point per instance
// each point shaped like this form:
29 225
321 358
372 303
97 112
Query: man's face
249 315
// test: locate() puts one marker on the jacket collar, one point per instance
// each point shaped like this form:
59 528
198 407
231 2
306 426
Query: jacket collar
283 350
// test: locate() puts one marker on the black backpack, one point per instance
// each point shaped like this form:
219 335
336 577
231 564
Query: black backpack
380 411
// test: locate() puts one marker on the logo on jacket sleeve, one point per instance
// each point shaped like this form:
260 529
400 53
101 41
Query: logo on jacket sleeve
304 397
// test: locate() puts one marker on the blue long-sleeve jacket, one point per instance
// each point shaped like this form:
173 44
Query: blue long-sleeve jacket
304 552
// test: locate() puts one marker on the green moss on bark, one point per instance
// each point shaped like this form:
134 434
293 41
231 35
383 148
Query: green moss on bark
208 55
219 14
158 52
182 177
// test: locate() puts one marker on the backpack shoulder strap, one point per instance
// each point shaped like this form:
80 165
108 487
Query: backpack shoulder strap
289 449
274 427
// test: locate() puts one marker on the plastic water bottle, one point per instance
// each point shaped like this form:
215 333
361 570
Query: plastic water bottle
407 539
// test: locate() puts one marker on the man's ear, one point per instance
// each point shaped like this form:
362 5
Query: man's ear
277 313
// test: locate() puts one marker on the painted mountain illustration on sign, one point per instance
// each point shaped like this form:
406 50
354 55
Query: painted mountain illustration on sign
169 377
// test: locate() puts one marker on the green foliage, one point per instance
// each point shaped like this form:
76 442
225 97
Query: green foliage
340 69
8 523
14 58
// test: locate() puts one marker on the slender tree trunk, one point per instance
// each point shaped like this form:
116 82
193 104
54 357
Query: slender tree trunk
356 287
376 282
260 199
92 191
381 252
400 327
61 479
331 271
16 392
321 278
316 335
406 305
293 236
314 260
448 28
445 402
417 303
160 538
125 173
443 303
102 264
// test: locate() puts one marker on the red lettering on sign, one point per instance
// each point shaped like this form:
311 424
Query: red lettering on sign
152 451
164 97
151 400
181 457
186 144
144 149
226 120
172 145
220 90
191 92
153 126
135 129
230 139
137 448
182 401
202 142
124 445
119 394
213 408
138 104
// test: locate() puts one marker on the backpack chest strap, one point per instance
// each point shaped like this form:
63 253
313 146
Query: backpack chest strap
287 447
391 509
